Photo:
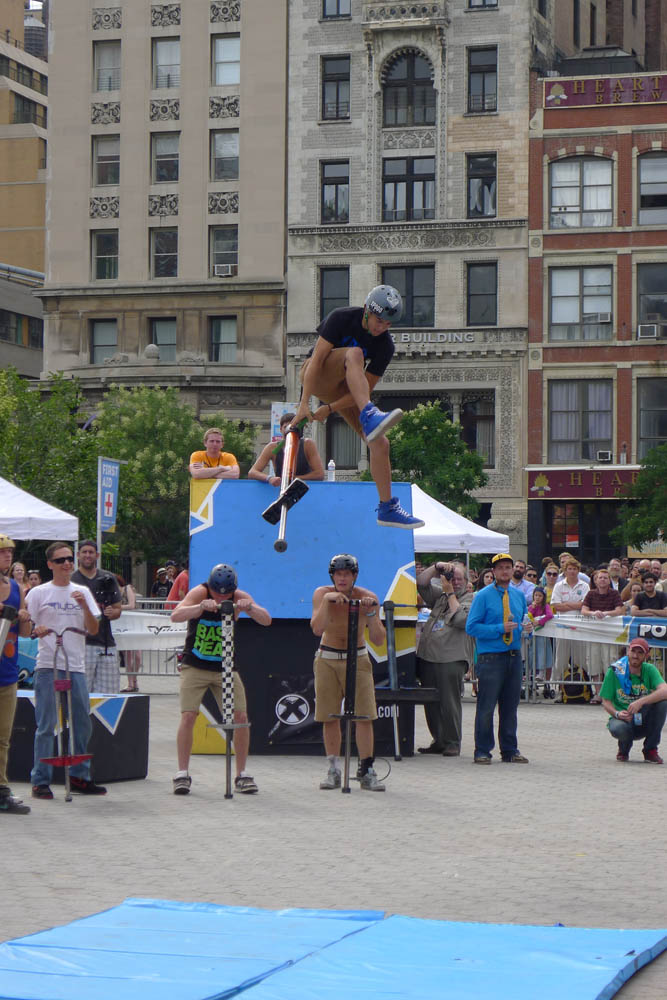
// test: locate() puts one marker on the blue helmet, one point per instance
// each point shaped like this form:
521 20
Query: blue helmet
222 579
385 302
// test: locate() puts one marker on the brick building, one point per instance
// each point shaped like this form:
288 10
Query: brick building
597 364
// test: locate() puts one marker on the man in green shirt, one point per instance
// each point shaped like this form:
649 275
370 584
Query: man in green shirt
635 696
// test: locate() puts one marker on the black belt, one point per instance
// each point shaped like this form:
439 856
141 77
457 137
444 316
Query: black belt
500 652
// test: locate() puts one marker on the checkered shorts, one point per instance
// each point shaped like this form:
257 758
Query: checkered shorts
102 670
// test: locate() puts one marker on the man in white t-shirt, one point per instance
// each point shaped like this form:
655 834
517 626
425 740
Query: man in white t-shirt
568 595
53 607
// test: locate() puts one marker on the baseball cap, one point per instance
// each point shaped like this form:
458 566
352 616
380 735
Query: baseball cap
6 542
640 644
161 570
502 557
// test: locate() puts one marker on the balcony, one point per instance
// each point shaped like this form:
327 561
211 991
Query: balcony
405 15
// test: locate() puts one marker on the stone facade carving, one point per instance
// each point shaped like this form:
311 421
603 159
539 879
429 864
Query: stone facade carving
107 18
117 359
232 398
225 11
163 204
405 239
223 203
410 139
164 15
105 208
224 107
374 12
167 110
187 358
105 113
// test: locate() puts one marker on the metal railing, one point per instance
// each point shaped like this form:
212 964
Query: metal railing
152 662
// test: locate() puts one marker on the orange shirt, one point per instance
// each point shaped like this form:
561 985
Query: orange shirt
224 458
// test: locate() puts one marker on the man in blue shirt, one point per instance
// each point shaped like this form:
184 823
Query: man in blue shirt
495 622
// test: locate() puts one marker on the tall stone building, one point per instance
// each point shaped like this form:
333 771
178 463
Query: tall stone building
166 199
408 138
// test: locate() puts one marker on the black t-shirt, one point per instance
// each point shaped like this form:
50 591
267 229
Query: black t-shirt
655 603
104 588
160 589
342 328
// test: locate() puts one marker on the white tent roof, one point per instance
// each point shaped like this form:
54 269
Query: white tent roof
446 531
24 516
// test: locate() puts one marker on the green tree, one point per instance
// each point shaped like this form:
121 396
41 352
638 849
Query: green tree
427 449
155 433
43 448
644 519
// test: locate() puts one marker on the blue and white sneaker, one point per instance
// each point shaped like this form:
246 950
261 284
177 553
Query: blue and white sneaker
374 422
392 515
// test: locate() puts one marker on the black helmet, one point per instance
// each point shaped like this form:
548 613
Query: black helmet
343 561
385 302
222 579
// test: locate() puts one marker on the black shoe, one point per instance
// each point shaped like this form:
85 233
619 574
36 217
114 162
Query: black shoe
41 792
10 804
86 787
434 748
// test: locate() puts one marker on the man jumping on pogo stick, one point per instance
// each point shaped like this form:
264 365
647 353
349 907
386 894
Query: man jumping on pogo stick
329 621
350 356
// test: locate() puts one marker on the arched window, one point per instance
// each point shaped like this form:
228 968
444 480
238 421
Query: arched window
409 95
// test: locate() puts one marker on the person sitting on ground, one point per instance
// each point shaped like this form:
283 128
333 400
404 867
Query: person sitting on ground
213 463
635 696
308 461
601 601
651 603
350 356
201 668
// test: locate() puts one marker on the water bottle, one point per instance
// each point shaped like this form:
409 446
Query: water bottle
331 471
526 620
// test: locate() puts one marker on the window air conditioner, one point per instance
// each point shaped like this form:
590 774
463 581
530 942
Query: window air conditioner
223 270
647 331
603 456
590 318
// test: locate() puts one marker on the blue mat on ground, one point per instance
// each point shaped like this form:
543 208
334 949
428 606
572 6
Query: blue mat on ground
148 949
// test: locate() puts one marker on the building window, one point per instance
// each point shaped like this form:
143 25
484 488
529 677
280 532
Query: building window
225 155
475 4
106 58
334 289
105 254
580 303
163 335
336 8
580 193
166 63
408 189
335 87
542 8
222 339
653 189
408 93
335 188
482 79
28 112
478 426
576 17
593 25
481 170
224 251
580 419
103 340
652 414
482 294
652 293
417 287
106 159
164 253
35 333
164 157
226 60
343 444
10 326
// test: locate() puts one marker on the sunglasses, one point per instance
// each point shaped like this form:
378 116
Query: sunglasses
62 559
552 574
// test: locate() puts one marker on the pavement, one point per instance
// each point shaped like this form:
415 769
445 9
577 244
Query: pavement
574 837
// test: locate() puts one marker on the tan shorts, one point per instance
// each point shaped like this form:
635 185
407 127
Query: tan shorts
332 384
330 688
195 682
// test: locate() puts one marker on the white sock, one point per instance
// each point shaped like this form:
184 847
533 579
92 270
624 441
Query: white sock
333 762
181 774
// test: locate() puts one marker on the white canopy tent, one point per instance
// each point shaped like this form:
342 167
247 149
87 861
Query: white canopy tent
446 531
24 516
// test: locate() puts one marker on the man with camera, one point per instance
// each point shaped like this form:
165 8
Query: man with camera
102 667
444 652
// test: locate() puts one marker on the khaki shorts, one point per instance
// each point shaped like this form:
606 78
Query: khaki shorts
331 385
330 688
195 682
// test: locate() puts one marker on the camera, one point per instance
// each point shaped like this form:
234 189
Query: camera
107 591
447 573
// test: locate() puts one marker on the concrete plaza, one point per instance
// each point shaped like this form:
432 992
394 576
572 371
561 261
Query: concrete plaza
558 840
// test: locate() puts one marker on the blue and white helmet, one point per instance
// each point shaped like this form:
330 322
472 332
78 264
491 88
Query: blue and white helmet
222 579
385 302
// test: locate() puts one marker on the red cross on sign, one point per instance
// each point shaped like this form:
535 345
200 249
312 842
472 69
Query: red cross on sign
108 504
